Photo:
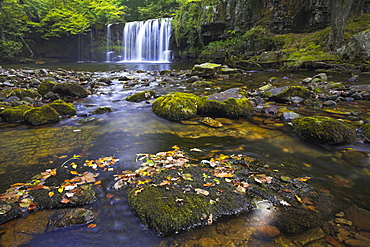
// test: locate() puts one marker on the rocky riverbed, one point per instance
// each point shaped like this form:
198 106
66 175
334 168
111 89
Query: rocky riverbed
274 107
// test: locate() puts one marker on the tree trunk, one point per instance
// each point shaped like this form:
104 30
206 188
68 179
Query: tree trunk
339 14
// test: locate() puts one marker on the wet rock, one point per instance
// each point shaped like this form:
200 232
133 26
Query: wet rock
41 115
343 221
357 158
192 79
206 70
357 48
70 89
310 235
283 94
137 97
268 232
202 84
211 122
70 217
102 109
366 130
359 217
322 76
353 78
46 87
13 101
288 116
63 108
176 106
324 130
357 243
330 103
14 114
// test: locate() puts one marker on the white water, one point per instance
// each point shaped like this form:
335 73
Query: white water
109 54
147 41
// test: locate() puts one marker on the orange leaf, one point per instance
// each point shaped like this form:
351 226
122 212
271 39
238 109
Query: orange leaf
304 179
65 200
208 184
51 193
31 206
91 226
53 172
74 172
298 198
97 182
109 196
165 182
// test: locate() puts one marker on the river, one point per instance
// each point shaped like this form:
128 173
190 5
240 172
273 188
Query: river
133 128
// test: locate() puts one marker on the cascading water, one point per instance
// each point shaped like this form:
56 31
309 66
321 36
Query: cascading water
147 41
109 53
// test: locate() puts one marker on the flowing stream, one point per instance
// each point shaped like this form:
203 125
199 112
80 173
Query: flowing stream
133 128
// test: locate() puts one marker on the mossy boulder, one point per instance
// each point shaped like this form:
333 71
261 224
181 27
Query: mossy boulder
22 93
102 109
41 115
137 97
283 94
324 130
15 114
70 89
176 106
230 105
366 130
45 87
206 69
63 108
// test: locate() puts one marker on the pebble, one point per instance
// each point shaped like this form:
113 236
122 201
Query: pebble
267 232
343 221
356 243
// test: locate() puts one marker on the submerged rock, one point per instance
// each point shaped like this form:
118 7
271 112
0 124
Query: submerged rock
324 130
101 110
366 130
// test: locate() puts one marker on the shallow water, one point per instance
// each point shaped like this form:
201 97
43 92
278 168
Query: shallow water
132 128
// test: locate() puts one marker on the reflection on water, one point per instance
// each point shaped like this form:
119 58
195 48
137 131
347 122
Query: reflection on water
132 128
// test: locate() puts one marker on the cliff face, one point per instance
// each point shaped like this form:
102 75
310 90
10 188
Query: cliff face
281 16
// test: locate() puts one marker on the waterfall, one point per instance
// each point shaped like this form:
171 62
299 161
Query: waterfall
109 54
147 41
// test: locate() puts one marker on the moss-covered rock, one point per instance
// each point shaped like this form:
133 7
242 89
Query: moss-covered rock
63 108
102 109
15 114
324 130
206 69
137 97
176 106
22 93
230 105
284 94
202 84
70 89
366 130
41 115
45 87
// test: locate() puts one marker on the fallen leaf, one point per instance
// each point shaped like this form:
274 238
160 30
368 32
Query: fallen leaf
74 172
138 191
65 200
165 182
208 184
109 196
51 193
196 150
298 198
91 226
202 192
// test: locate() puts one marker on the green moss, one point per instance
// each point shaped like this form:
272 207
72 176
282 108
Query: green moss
41 115
237 108
141 96
324 130
22 93
15 114
176 106
202 84
3 107
102 109
168 211
292 91
63 108
70 89
366 130
332 84
45 87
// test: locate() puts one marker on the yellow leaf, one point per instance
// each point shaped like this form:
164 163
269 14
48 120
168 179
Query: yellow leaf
74 172
176 147
51 193
74 165
60 190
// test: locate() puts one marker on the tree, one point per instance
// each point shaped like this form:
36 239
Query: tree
340 10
